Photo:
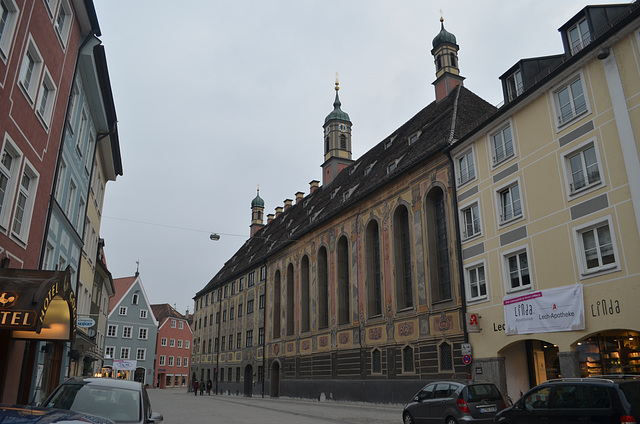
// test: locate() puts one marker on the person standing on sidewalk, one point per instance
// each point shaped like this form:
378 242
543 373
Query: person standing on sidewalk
195 387
209 385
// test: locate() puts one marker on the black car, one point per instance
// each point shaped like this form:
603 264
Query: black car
19 414
122 401
452 402
609 399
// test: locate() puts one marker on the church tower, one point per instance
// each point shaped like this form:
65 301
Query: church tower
337 141
257 214
445 53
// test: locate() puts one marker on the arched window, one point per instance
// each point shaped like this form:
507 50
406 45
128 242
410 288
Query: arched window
305 321
376 361
445 358
277 295
438 246
407 359
323 288
343 141
290 301
402 258
374 275
343 280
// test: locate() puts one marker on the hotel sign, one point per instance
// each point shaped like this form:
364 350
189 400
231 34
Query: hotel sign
545 311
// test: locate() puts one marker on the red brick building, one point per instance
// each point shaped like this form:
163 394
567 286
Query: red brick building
173 347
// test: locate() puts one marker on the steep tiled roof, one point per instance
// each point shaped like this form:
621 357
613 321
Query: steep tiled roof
436 126
164 310
121 285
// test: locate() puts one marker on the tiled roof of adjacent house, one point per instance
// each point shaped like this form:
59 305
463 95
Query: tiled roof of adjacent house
163 311
427 133
121 285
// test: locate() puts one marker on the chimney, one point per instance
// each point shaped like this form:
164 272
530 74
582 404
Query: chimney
287 203
270 218
278 211
313 186
299 196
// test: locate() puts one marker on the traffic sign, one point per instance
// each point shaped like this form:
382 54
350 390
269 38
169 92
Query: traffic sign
466 359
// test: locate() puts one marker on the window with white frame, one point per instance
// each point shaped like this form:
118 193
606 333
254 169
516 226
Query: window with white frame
514 85
466 167
579 36
178 361
143 313
172 342
502 147
24 202
583 168
112 330
9 171
46 98
517 270
163 341
186 344
141 354
596 247
126 331
180 325
47 261
510 203
171 358
63 21
109 351
8 19
162 360
71 198
124 352
185 361
62 176
570 101
173 323
134 299
79 214
30 71
470 217
476 282
142 333
122 311
179 344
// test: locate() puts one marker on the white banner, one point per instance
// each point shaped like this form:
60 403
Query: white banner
545 311
125 364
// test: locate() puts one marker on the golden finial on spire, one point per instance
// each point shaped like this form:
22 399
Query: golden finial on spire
337 82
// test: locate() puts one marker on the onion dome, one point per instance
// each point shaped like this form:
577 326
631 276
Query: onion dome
443 36
337 113
257 202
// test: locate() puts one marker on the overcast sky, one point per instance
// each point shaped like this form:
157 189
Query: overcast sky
217 97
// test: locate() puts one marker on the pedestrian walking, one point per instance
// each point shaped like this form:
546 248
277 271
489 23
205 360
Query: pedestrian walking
202 388
209 385
195 387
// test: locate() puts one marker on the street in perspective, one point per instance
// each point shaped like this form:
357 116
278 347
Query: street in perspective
180 406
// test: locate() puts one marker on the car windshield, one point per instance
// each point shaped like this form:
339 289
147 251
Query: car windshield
117 404
480 392
631 391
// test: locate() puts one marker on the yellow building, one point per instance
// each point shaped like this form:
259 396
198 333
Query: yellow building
548 199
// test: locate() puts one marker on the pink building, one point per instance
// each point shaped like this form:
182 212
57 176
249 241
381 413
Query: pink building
173 347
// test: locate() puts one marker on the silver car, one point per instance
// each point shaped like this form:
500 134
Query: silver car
121 401
454 402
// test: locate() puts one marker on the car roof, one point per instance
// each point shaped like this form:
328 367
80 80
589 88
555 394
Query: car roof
105 382
603 380
27 414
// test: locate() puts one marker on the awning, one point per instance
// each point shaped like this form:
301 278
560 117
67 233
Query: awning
37 304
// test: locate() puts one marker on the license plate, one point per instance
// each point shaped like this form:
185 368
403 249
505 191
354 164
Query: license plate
486 409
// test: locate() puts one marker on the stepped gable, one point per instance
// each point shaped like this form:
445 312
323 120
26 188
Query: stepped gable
437 125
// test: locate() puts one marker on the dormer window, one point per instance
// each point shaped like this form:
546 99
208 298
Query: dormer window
392 167
514 85
414 137
579 36
388 144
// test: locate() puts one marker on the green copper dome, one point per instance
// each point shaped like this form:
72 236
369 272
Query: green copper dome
337 113
257 202
443 36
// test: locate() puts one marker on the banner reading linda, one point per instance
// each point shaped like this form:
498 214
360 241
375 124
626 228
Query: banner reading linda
124 364
545 311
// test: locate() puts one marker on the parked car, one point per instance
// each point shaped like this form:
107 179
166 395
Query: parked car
19 414
608 399
122 401
451 402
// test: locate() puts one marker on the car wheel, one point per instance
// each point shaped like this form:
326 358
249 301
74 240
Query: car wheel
451 420
407 419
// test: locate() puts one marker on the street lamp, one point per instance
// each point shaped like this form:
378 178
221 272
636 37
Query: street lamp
214 236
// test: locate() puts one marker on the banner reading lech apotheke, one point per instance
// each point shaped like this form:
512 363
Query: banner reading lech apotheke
545 311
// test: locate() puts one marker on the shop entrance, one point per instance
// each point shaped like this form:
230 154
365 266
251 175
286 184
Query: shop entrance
529 363
610 353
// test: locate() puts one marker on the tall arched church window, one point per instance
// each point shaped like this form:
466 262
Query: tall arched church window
402 258
438 246
290 300
323 288
343 281
305 320
373 268
277 295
